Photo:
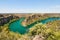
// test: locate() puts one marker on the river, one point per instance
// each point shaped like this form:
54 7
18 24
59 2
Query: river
18 27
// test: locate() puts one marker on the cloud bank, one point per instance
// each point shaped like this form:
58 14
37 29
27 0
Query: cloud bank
51 9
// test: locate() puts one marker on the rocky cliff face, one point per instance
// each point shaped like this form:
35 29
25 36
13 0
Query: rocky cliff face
6 18
35 17
32 18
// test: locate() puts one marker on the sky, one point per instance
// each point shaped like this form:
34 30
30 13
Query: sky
29 6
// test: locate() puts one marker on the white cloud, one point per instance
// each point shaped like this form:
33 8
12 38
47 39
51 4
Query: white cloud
52 9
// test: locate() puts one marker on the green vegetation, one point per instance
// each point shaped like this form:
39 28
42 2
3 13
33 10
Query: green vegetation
48 31
5 34
51 32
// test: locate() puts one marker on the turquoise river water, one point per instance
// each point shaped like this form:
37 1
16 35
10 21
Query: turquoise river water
18 27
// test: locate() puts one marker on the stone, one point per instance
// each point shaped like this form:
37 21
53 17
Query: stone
38 37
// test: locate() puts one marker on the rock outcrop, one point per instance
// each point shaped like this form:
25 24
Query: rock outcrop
38 37
4 20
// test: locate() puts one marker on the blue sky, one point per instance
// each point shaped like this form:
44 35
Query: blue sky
29 6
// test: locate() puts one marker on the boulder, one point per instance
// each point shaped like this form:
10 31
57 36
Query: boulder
38 37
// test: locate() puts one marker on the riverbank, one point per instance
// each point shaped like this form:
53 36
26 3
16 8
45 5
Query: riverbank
18 27
35 17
